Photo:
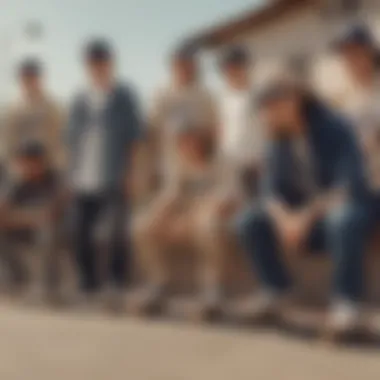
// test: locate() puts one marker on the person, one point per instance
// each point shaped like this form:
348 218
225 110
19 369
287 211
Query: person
103 134
241 137
313 197
239 146
36 116
360 54
32 205
184 104
185 96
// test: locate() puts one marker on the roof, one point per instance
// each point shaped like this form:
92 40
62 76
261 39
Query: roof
226 31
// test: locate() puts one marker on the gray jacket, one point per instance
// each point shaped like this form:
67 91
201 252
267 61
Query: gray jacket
122 129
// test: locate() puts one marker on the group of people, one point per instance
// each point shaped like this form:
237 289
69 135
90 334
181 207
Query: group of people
275 169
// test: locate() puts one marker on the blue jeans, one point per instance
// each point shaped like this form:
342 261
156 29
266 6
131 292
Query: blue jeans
342 232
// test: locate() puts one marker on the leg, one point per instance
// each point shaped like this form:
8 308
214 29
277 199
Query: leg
256 233
120 250
346 235
213 239
12 257
347 230
48 271
150 242
87 211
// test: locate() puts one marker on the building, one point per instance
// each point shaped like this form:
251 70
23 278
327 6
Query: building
297 32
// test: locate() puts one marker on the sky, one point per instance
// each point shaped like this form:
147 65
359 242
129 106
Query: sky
143 31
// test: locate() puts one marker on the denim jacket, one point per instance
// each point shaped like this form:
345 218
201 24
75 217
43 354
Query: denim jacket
122 128
336 154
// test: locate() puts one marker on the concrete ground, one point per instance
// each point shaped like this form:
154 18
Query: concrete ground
45 345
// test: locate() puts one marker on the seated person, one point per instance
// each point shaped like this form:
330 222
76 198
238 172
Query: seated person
30 213
314 196
178 216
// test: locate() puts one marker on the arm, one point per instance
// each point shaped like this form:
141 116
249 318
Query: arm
56 129
9 134
349 178
134 139
348 181
151 153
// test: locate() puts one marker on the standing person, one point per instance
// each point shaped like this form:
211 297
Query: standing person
361 57
35 117
239 145
240 134
184 103
315 196
103 131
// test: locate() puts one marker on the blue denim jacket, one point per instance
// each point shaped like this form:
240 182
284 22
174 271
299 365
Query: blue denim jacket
122 128
336 155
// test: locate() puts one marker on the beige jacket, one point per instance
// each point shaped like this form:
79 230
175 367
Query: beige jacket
42 121
161 161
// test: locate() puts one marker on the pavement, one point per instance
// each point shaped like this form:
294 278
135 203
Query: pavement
48 345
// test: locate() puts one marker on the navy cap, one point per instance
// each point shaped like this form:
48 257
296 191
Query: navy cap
30 67
358 34
31 149
235 55
98 50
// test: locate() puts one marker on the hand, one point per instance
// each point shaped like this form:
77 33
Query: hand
291 226
293 232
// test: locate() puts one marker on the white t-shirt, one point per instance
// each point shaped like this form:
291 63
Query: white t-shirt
363 107
241 139
89 173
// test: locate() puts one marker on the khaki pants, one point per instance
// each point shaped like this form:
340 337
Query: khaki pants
200 223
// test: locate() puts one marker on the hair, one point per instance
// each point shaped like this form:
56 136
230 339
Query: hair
235 56
310 102
98 50
30 66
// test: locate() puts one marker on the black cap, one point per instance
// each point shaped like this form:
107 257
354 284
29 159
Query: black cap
31 149
358 34
98 50
186 51
30 67
235 55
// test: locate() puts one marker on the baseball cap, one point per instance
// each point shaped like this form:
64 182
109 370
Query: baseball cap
235 55
98 50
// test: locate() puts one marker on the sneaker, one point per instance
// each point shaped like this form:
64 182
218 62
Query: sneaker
262 307
87 301
344 318
149 299
211 303
113 297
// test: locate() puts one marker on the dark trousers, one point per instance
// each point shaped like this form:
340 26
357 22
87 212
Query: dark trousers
109 211
342 232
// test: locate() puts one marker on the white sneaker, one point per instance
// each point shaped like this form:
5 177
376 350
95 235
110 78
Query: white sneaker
150 297
344 317
264 304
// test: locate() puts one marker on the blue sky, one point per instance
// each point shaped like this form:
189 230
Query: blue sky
143 31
